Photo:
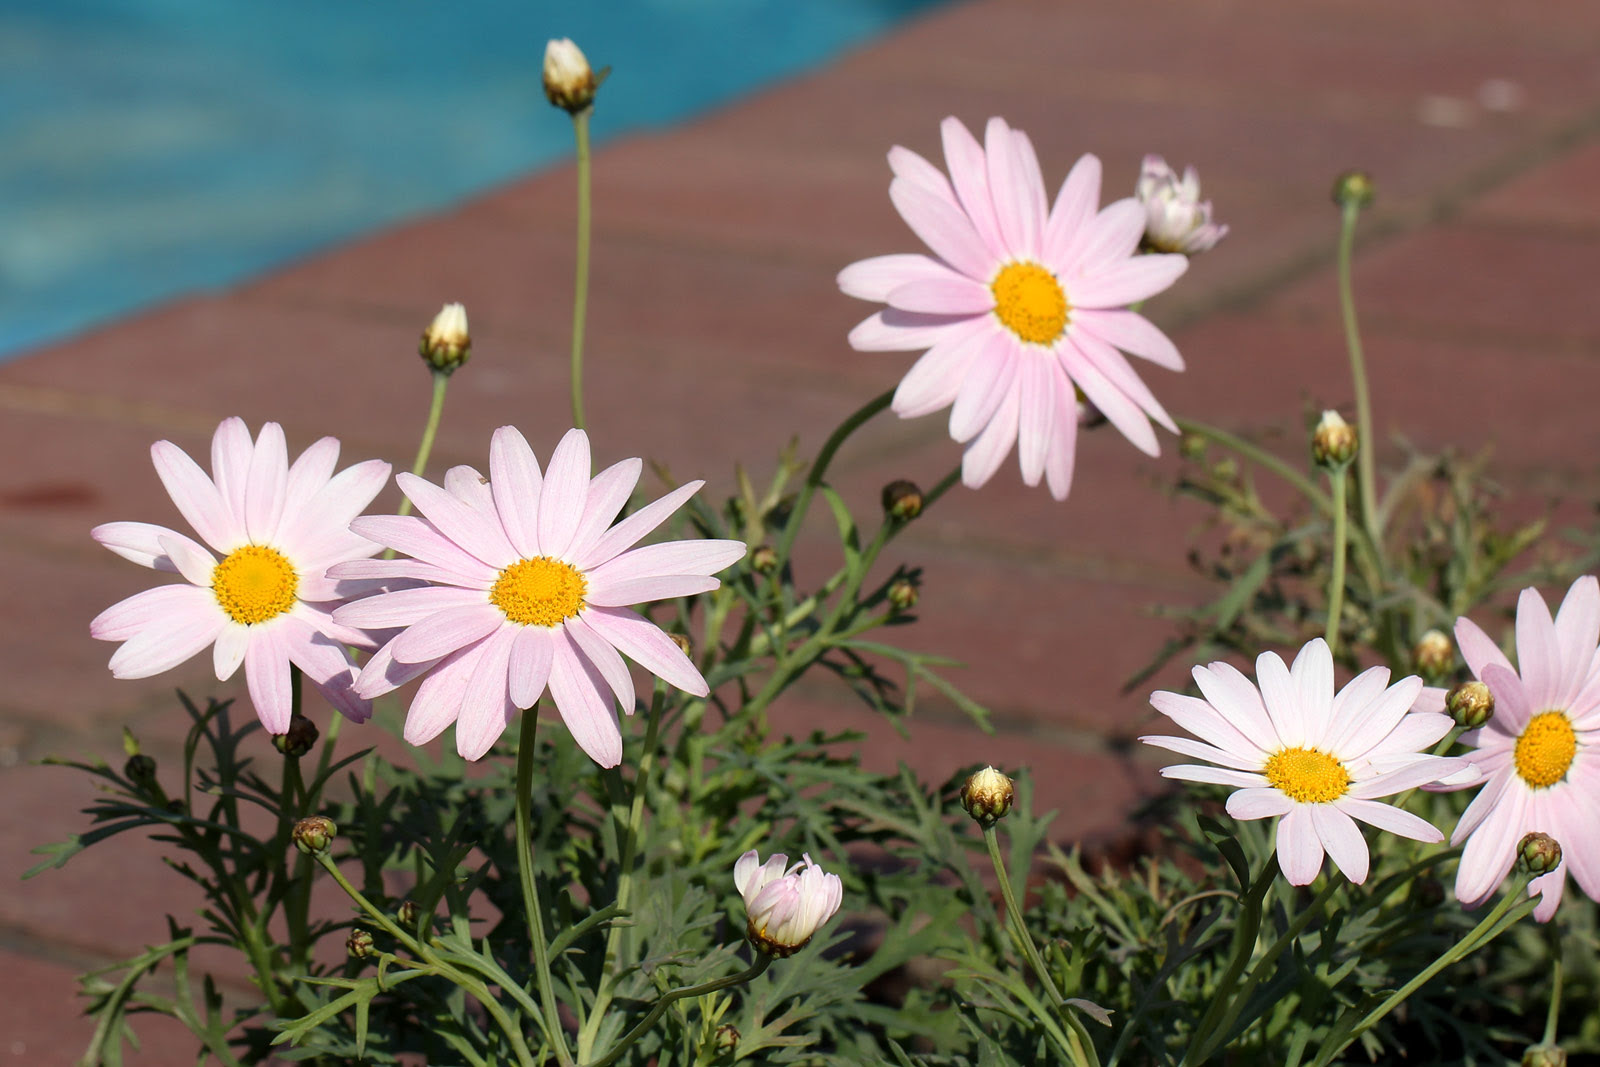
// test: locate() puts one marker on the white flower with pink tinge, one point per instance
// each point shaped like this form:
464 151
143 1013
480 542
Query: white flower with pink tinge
528 586
1018 303
267 603
1540 753
1295 749
785 907
1176 219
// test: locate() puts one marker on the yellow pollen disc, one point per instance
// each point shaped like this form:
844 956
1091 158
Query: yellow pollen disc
539 592
254 584
1545 750
1030 302
1306 775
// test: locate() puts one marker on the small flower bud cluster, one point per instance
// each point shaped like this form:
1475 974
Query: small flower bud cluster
569 83
359 945
1333 443
987 796
1470 704
785 907
902 594
446 343
1176 219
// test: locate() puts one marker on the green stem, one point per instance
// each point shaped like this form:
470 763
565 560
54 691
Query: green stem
1019 929
630 841
1487 930
660 1006
819 468
441 382
1341 533
1260 456
1244 943
1555 994
580 283
1366 443
530 885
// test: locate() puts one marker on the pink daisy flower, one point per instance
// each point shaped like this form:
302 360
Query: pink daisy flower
1293 748
1540 753
785 907
528 586
267 602
1021 306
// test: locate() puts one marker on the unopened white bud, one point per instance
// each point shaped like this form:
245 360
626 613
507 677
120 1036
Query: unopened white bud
568 81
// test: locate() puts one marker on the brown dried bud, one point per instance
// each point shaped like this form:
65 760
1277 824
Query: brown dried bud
359 945
1539 853
302 734
902 594
1334 442
314 834
1470 704
1433 655
1354 188
987 796
1544 1056
902 500
406 913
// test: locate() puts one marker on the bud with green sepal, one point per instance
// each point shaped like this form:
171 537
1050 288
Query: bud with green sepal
359 945
569 82
902 594
314 834
1334 442
987 795
1354 188
446 343
298 739
1470 704
764 559
1433 655
1538 854
902 500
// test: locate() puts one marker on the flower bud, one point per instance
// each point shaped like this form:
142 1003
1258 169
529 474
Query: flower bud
902 594
785 907
406 913
1191 446
1470 704
302 734
726 1039
140 769
359 945
446 344
682 641
1539 853
1544 1056
764 559
902 500
568 82
1176 219
1333 443
314 834
1433 655
1354 188
987 796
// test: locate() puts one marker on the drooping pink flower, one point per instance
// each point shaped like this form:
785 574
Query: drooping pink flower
785 907
267 603
1539 755
1018 303
528 586
1293 748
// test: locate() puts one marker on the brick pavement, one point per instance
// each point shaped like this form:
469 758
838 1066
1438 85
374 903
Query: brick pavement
716 327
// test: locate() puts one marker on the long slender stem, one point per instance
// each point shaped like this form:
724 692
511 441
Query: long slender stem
1367 478
580 283
1025 941
819 468
1245 930
530 885
1555 994
630 842
667 999
441 382
1341 533
1260 456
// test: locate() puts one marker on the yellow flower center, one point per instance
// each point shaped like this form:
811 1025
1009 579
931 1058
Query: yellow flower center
1306 775
1030 302
539 592
1545 749
254 583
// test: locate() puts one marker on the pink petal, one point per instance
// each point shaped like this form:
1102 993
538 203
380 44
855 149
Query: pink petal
955 295
703 557
1258 803
892 330
1131 332
383 675
1200 750
320 527
268 479
426 543
633 529
643 642
991 376
606 660
1109 362
969 175
1282 698
309 473
160 607
193 562
231 450
1016 203
486 710
266 672
1371 731
139 542
876 278
528 671
1299 848
989 449
1426 769
1537 653
167 642
1186 772
1059 461
1476 647
1072 216
516 482
608 492
445 631
643 590
1110 237
943 227
1118 285
439 697
1352 703
404 607
912 168
1340 836
1577 632
468 485
329 667
1036 388
1513 708
934 381
228 651
196 497
1391 819
1490 850
1027 161
576 690
473 532
1486 801
565 492
1124 414
1238 701
1210 724
1313 677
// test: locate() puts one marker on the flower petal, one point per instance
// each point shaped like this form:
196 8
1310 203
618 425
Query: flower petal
166 642
944 228
1258 803
1389 818
1577 634
139 542
1342 839
528 671
643 642
1017 203
877 277
1118 285
266 672
1036 387
328 666
1477 648
1282 698
1073 212
1124 414
935 380
955 295
515 481
158 608
404 607
445 631
196 497
605 659
964 157
990 378
893 330
608 492
1200 750
577 691
486 709
565 492
439 697
465 527
1299 848
1538 655
989 449
1131 332
633 529
265 489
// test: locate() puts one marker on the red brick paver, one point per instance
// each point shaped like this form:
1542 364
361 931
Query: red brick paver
717 331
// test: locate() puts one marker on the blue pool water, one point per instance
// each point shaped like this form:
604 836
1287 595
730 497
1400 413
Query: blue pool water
153 147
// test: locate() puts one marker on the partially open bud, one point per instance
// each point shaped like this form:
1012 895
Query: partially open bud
568 82
314 834
446 344
1176 219
1353 187
902 500
1470 704
1433 655
764 559
785 907
298 740
359 945
1544 1056
987 796
902 594
1333 442
1539 853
